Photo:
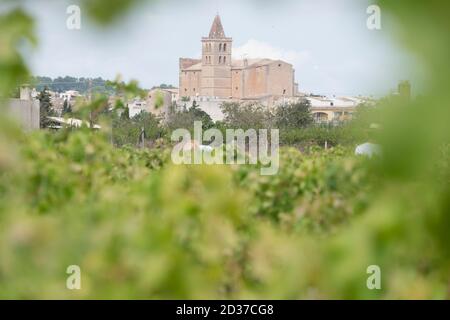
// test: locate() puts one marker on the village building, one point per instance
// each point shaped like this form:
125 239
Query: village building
217 76
25 110
334 109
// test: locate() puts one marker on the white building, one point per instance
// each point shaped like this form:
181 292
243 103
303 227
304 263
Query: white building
69 95
136 106
59 122
329 109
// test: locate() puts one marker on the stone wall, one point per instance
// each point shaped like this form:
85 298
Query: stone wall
26 112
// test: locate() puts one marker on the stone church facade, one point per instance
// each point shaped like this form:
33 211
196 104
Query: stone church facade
216 75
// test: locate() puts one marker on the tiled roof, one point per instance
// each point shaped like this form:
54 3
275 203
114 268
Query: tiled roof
195 67
237 64
217 29
251 63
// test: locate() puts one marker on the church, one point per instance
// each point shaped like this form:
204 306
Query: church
218 76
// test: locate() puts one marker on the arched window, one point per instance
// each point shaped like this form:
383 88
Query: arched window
220 59
224 60
220 47
225 47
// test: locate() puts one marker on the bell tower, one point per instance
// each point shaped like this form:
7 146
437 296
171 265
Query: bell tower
216 62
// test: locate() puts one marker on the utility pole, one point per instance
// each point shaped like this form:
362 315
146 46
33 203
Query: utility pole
91 126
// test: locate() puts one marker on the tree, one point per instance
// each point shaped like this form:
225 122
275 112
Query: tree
159 99
294 115
83 85
67 108
45 106
165 86
149 122
245 116
128 131
200 115
125 113
185 118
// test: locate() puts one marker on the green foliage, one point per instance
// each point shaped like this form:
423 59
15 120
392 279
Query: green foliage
344 134
159 99
126 90
256 116
293 115
125 114
154 230
185 118
82 85
45 108
126 131
164 86
200 115
67 108
105 12
322 188
245 116
16 29
91 110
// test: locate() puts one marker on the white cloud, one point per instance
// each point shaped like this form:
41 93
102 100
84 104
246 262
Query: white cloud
253 49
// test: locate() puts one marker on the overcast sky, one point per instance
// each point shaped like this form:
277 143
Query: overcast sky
327 41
